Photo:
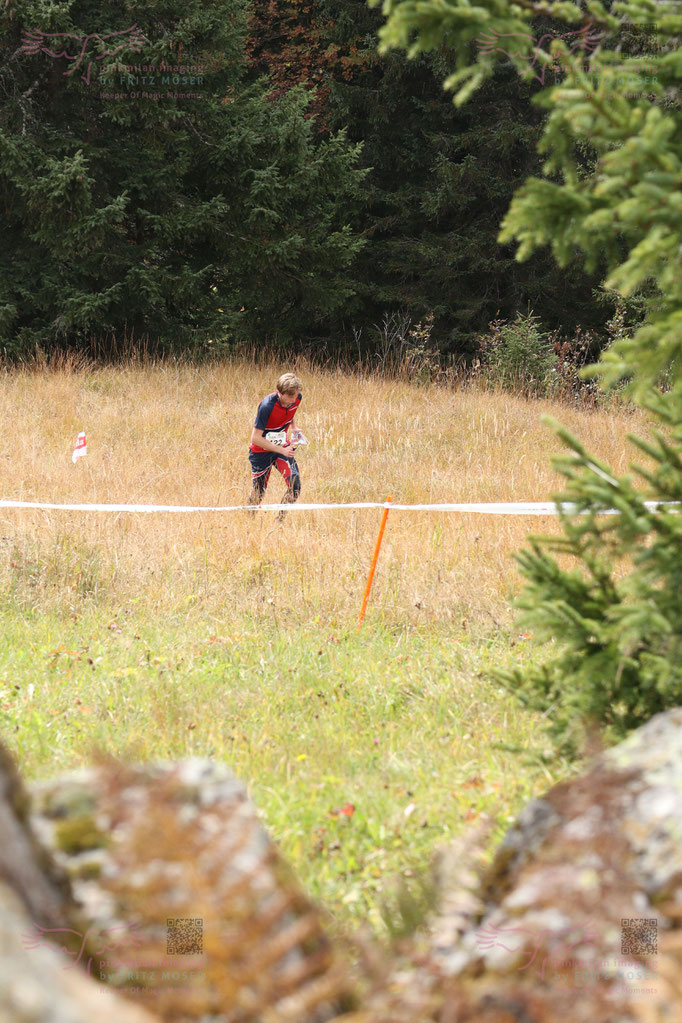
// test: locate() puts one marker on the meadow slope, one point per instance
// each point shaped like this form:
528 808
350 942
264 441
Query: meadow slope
179 435
234 636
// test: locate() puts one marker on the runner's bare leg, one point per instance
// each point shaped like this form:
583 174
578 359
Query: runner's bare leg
289 498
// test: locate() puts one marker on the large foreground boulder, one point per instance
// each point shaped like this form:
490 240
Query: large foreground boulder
579 915
190 908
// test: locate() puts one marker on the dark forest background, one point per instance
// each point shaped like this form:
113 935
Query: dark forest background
317 197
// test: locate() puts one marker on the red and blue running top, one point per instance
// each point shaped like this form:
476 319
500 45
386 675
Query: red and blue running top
273 416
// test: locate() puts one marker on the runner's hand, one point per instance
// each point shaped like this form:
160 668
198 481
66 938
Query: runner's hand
288 451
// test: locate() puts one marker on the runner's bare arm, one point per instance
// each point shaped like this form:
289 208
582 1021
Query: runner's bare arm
258 438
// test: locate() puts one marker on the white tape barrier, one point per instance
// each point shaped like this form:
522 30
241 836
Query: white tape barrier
517 508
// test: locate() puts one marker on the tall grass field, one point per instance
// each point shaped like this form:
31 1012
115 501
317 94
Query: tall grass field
232 635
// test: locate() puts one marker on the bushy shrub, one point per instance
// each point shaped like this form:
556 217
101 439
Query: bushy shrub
518 355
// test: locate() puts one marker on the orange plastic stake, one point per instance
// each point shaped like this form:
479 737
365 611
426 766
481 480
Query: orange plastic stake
370 577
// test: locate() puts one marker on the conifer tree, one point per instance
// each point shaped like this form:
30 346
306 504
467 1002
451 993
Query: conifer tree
129 204
615 618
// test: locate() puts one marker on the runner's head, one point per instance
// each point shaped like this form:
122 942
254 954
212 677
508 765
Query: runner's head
288 387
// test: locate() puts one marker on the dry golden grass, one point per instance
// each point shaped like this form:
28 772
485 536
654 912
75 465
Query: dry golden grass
177 434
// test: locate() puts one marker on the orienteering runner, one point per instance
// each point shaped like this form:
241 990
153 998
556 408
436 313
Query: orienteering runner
271 441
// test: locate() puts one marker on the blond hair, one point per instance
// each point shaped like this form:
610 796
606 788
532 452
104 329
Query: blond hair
288 384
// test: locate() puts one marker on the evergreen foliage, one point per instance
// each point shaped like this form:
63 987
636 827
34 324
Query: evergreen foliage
615 618
186 220
341 188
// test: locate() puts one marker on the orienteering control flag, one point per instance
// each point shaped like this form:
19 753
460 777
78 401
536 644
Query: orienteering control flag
80 449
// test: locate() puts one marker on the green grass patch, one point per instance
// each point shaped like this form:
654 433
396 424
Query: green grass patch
362 751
